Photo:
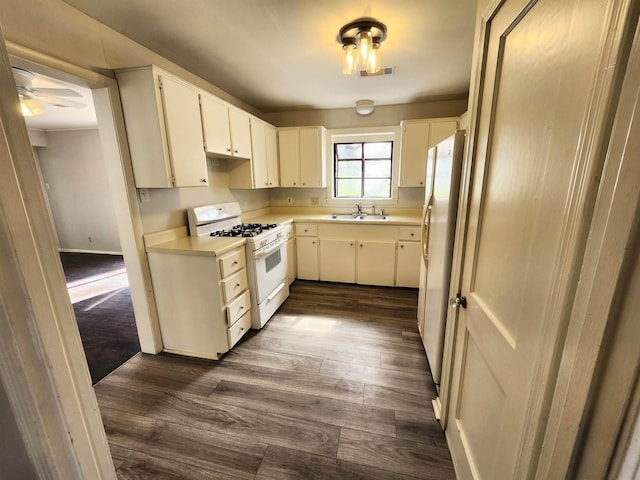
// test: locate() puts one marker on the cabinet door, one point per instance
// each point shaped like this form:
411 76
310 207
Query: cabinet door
259 158
408 264
312 157
184 132
273 170
376 263
338 260
440 131
291 260
415 144
240 133
215 125
288 150
307 258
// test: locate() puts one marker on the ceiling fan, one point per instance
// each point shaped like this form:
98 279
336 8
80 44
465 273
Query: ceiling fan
30 97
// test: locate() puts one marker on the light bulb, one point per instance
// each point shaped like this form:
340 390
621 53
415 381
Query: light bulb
365 44
373 62
349 65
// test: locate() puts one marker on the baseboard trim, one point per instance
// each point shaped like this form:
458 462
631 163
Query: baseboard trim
80 250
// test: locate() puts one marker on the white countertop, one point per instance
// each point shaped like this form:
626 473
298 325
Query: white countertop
178 242
207 246
284 218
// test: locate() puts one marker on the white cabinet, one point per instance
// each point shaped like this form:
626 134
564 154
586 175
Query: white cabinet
409 257
261 171
307 251
164 129
418 136
408 264
302 157
376 263
338 260
202 301
225 128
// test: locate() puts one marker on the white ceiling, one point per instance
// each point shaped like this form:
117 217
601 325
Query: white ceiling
283 54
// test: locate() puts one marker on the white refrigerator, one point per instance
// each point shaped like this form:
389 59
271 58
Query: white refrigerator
444 165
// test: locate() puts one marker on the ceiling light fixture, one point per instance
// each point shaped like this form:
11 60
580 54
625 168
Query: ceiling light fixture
360 41
364 107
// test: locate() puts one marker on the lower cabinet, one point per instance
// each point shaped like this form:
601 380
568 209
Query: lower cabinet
376 263
307 258
203 302
338 260
385 255
408 264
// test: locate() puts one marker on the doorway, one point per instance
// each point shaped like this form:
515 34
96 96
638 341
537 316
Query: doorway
67 147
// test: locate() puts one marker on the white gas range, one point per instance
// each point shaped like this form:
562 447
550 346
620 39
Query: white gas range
265 252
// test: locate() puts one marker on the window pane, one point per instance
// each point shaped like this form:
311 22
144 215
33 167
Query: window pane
349 150
377 168
377 150
349 169
379 188
348 188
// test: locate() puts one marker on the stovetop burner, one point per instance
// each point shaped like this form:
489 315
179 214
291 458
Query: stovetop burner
244 230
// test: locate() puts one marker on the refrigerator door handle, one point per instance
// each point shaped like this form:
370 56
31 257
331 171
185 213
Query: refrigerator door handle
424 234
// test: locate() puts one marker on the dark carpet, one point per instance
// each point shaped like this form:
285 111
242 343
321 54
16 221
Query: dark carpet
106 322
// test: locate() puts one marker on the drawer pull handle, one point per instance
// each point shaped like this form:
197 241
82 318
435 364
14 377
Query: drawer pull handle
237 285
235 262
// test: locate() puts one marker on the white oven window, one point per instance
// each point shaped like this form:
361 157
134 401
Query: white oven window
273 260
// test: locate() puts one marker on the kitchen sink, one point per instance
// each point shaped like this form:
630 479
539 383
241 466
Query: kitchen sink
359 216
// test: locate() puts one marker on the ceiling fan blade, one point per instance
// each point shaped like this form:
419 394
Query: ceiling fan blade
56 92
57 101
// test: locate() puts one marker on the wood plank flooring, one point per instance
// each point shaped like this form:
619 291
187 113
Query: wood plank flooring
335 386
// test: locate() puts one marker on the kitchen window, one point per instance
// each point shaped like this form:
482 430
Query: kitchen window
363 165
363 169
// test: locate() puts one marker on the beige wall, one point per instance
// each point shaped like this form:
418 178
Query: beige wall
382 115
73 169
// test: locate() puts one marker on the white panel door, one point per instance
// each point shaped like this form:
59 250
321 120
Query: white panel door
184 133
540 57
240 133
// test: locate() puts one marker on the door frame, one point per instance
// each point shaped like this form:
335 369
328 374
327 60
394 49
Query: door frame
45 372
596 126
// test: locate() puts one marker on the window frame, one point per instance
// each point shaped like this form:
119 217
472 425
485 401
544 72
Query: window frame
366 135
363 160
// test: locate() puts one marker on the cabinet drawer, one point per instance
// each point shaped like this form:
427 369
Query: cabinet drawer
409 234
238 329
306 230
234 285
232 262
238 307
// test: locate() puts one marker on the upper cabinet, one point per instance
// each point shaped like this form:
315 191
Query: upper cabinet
418 136
302 157
226 129
261 171
162 116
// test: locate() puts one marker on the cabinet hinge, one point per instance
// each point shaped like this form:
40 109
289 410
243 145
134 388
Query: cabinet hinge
160 82
173 180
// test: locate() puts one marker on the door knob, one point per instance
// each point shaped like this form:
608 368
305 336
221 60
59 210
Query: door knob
458 301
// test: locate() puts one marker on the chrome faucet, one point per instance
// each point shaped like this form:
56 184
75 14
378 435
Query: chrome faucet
373 209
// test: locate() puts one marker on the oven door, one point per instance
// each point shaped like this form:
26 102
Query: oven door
271 268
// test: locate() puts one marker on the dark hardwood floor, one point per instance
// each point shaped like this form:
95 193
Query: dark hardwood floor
335 386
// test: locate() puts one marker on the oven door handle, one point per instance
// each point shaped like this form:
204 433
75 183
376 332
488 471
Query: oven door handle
275 292
272 246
